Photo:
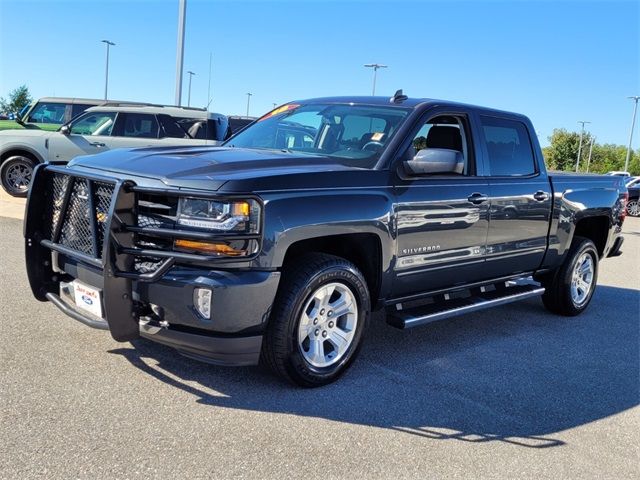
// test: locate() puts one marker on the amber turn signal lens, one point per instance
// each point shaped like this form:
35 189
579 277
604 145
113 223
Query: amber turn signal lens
240 209
209 247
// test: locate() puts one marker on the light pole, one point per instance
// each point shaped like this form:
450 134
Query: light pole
191 74
375 67
633 124
580 144
593 139
182 18
249 95
106 72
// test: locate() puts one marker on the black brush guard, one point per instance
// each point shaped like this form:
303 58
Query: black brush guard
110 245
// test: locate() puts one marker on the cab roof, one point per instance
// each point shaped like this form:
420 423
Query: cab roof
408 102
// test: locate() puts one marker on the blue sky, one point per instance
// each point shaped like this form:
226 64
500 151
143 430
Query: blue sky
557 62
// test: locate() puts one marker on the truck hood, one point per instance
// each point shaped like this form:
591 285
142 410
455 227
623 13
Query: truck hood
205 167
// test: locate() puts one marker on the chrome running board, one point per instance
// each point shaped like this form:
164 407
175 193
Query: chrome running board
446 308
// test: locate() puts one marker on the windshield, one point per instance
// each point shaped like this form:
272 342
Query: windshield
354 134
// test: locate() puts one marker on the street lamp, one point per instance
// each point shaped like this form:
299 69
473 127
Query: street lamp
375 67
593 139
580 144
191 74
633 124
249 95
106 73
182 18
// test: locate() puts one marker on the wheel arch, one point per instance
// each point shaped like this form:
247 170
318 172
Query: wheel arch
595 228
364 250
24 151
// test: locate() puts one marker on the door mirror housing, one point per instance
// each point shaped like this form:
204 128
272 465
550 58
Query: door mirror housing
434 161
65 129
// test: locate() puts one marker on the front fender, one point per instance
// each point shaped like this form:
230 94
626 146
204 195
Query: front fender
291 217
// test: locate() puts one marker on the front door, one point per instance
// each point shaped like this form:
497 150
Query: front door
442 220
89 134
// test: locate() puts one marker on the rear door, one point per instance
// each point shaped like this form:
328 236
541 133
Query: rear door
442 220
135 130
520 195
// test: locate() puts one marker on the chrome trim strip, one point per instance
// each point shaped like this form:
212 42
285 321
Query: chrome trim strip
460 254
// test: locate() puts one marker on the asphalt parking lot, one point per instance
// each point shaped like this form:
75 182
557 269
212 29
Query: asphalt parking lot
513 392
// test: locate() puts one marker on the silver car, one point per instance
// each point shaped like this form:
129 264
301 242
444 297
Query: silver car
109 126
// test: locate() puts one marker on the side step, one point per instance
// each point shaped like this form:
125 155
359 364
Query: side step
450 308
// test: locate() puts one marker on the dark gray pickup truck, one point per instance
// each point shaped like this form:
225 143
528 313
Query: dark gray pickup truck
277 246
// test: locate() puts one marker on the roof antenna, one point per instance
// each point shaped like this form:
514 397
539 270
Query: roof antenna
398 97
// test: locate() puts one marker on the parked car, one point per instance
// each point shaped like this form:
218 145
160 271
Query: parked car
633 207
113 125
618 173
276 250
49 113
237 123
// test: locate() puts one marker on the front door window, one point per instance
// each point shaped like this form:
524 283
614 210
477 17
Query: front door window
94 124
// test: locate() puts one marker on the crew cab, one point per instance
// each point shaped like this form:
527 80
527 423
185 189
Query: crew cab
278 245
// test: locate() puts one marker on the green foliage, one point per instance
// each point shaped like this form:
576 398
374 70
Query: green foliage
563 151
18 98
419 143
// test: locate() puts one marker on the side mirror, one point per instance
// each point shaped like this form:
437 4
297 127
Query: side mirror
65 130
435 160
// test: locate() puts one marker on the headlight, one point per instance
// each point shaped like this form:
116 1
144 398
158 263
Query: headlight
233 216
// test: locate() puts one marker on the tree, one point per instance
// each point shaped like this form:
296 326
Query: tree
18 98
563 151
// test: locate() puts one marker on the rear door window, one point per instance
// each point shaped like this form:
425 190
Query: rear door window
78 108
138 125
508 147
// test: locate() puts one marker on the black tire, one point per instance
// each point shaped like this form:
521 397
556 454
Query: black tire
633 207
280 349
557 297
16 174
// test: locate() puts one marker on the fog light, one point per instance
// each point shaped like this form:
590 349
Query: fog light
202 301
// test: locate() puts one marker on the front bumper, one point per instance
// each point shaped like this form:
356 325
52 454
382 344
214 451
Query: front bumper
158 305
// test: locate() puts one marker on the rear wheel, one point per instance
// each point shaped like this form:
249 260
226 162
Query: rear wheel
633 208
16 173
318 321
570 289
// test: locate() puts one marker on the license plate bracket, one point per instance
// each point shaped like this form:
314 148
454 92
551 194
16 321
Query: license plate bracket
88 298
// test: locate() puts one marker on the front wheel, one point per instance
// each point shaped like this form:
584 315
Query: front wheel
318 321
570 289
15 174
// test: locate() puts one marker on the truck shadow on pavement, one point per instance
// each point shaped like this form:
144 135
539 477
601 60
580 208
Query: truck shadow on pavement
515 374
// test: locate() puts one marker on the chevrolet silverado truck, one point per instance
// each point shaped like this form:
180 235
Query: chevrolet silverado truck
278 245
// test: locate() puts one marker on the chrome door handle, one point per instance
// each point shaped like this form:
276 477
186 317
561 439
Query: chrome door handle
98 144
540 196
478 198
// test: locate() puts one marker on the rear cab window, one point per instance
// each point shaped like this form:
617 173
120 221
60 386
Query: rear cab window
509 148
